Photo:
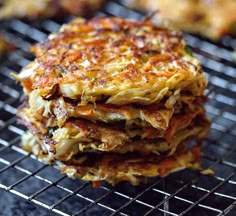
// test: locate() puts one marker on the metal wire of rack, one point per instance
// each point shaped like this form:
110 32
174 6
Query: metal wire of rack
183 193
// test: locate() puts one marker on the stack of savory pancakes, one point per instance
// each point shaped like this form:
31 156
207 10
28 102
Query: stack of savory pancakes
115 100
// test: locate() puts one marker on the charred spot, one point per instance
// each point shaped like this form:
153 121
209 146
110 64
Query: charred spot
50 131
54 93
102 82
48 141
118 43
151 52
60 70
71 101
91 131
73 67
52 150
197 16
69 45
114 29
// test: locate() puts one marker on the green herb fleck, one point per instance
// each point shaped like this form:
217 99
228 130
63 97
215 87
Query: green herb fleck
188 50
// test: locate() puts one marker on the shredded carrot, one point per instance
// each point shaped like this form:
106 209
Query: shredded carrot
166 165
27 84
96 184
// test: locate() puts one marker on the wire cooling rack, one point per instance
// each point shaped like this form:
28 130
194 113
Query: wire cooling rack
183 193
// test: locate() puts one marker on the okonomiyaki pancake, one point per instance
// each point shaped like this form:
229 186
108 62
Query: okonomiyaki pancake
65 149
114 168
47 8
113 60
133 168
58 111
212 19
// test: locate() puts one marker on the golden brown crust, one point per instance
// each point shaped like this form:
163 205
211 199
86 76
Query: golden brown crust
63 148
58 111
48 8
115 168
109 90
4 46
113 60
213 18
79 135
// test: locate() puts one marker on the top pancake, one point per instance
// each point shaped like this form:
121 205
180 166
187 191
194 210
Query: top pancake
113 60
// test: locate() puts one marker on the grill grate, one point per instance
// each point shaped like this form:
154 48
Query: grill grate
183 193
